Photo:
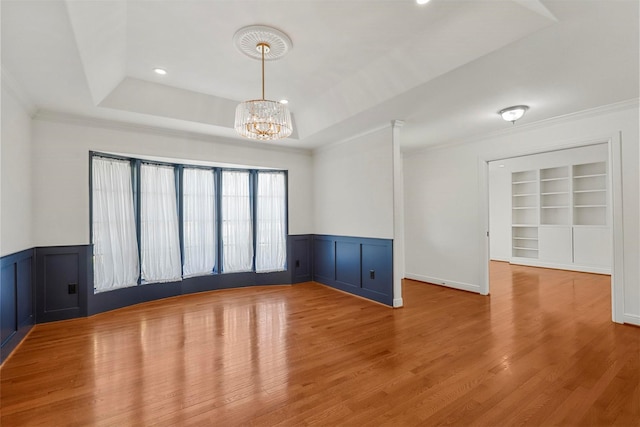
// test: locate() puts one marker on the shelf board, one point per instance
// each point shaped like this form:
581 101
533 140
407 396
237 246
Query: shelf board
589 176
525 194
590 191
525 249
524 238
524 225
589 206
524 182
554 207
554 179
554 192
524 207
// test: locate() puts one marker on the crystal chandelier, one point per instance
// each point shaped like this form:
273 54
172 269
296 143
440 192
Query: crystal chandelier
262 119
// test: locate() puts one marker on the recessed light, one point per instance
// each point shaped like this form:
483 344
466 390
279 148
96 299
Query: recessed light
160 71
284 101
422 1
500 166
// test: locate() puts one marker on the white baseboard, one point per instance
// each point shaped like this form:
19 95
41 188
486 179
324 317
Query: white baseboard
443 282
499 258
571 267
397 303
632 319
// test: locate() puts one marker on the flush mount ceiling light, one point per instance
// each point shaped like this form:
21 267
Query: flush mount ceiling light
422 1
262 119
514 113
160 71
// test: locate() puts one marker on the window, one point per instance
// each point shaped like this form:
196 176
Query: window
115 247
199 221
237 233
160 242
271 222
154 222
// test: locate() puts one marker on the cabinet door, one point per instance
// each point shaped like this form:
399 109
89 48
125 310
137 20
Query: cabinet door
592 246
555 244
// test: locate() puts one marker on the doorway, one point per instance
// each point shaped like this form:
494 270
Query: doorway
556 204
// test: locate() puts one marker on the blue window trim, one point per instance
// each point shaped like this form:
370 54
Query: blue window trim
179 173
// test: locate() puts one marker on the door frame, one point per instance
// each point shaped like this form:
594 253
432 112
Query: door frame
614 149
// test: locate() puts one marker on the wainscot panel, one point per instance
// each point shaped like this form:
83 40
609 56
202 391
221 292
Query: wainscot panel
62 282
348 263
358 265
17 313
324 259
301 258
377 268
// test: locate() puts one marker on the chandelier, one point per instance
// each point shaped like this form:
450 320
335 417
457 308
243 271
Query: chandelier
262 119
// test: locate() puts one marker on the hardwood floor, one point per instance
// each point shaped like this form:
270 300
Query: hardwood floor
541 350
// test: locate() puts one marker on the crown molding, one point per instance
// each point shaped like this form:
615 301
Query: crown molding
77 119
352 137
578 115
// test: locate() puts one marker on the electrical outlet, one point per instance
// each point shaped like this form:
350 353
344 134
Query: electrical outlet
372 274
72 288
297 263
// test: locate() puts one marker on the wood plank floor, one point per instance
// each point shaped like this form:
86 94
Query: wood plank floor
541 350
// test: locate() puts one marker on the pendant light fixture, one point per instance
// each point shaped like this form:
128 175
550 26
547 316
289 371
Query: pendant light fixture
262 119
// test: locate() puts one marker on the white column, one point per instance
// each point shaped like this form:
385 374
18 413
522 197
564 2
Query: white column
398 214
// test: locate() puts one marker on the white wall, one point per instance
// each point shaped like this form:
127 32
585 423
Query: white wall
499 211
353 187
61 171
16 193
500 188
443 219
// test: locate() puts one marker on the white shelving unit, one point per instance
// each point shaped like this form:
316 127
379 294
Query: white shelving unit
525 242
524 214
590 194
554 196
560 217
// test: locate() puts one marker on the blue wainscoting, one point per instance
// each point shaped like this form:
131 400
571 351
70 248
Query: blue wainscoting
301 257
17 305
358 265
62 282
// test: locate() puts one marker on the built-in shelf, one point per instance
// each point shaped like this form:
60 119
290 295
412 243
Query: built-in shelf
546 206
525 241
554 196
590 194
524 202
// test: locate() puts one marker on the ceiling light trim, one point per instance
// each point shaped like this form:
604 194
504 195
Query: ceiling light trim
247 38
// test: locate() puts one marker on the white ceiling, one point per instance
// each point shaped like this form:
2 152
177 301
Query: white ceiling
445 68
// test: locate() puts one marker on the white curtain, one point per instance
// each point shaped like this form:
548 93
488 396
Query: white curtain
115 247
271 222
160 246
237 234
199 219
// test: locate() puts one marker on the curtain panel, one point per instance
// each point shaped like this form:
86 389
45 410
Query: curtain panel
160 242
199 221
115 246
